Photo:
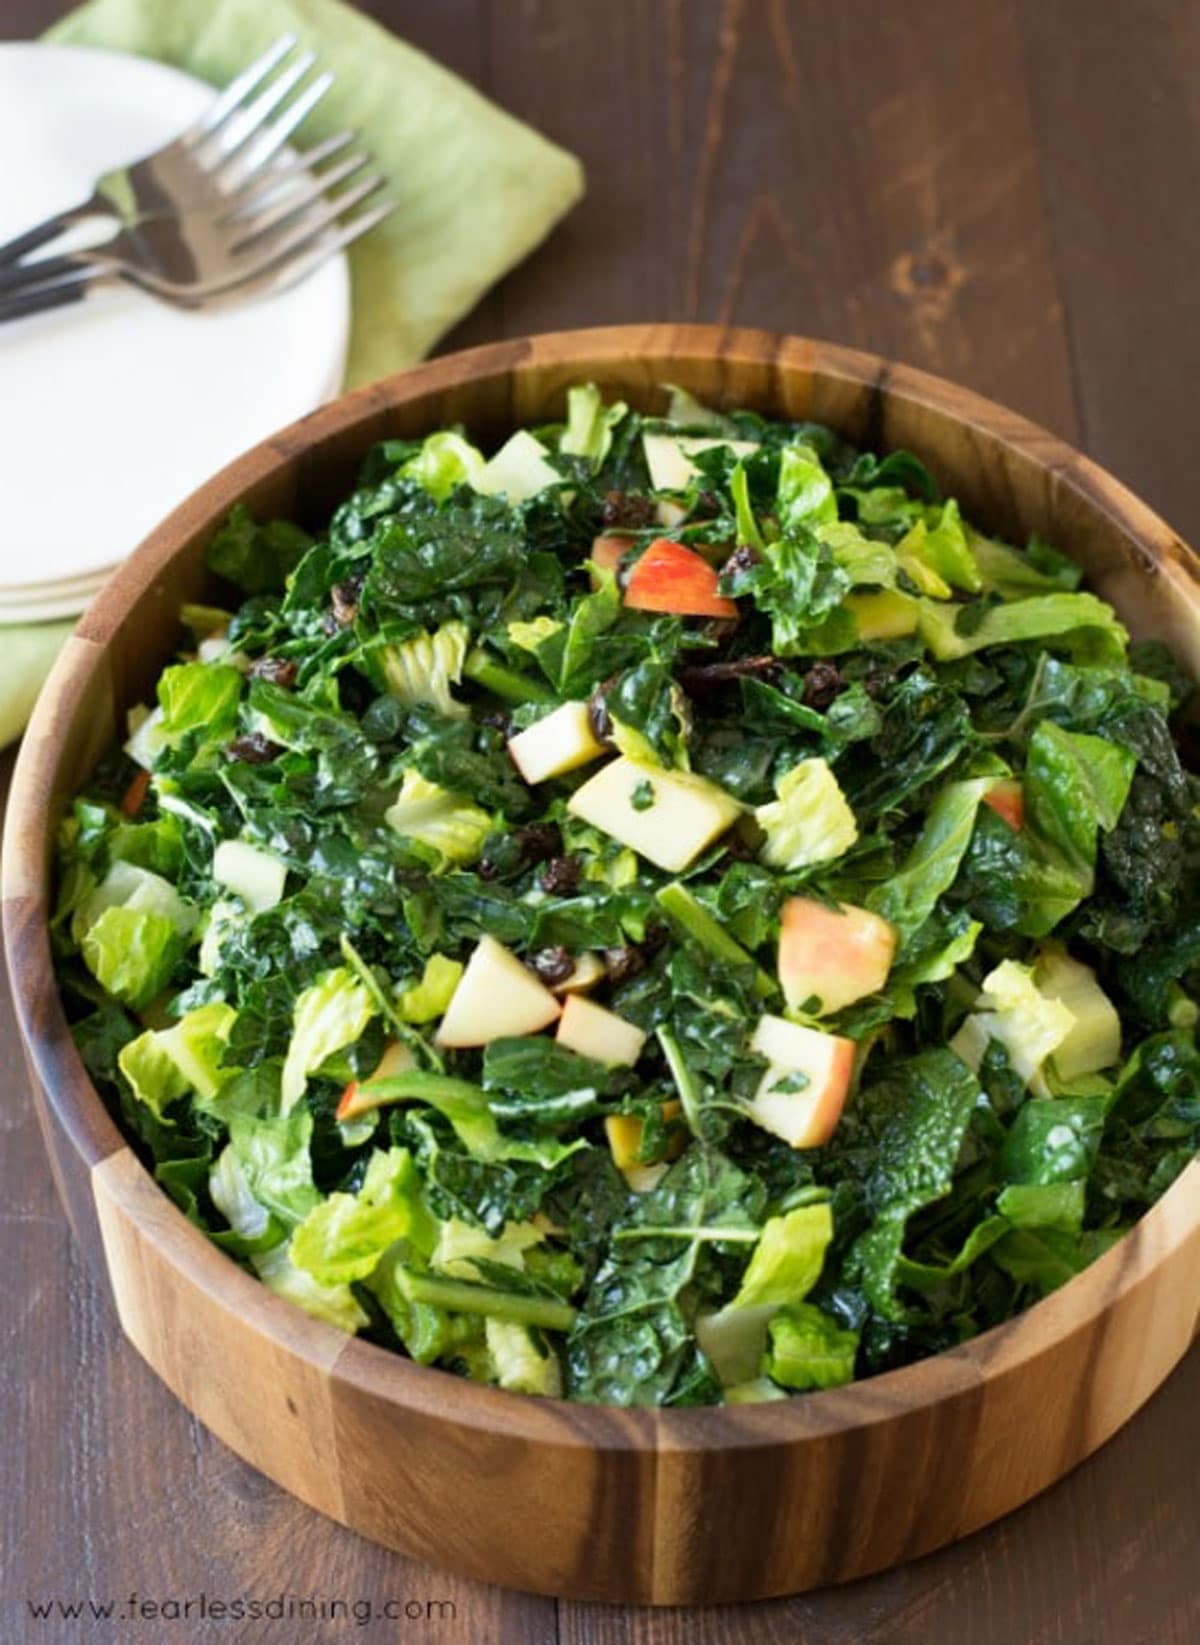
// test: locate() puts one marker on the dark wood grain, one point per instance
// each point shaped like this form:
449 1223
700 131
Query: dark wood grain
772 163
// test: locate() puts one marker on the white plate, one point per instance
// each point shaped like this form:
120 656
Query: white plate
46 610
112 410
17 593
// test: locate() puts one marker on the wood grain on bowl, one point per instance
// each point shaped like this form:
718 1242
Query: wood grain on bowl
635 1506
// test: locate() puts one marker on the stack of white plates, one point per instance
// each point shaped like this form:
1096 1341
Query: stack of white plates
113 409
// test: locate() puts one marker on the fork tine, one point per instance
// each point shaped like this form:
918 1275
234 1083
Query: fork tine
275 135
244 122
254 210
269 243
287 170
301 264
240 87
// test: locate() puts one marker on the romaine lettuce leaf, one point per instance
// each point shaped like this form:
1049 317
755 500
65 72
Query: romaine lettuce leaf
446 822
329 1015
445 461
809 1349
343 1238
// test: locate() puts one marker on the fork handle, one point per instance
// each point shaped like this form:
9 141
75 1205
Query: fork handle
55 294
15 277
11 251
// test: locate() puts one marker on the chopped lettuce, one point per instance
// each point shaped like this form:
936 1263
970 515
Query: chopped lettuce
809 821
590 424
447 822
161 1065
1012 1009
344 1236
333 1304
426 1000
809 1349
331 1013
445 461
423 668
786 1264
131 931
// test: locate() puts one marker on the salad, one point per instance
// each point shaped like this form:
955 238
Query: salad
666 913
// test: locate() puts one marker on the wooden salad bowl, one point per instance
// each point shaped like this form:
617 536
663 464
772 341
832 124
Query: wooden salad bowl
636 1506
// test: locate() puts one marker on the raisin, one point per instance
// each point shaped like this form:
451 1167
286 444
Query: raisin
623 963
621 508
598 715
280 671
539 841
737 849
744 558
552 965
821 685
254 749
561 876
343 598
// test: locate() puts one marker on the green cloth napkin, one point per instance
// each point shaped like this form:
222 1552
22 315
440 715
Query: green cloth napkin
475 190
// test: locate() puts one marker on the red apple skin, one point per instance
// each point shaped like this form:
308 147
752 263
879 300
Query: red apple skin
1007 800
396 1059
672 578
134 796
827 1105
851 948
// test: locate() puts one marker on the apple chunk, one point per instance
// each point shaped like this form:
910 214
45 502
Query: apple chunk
805 1110
625 1132
594 1032
556 743
396 1059
589 970
667 816
836 955
496 996
609 550
669 456
672 578
1007 799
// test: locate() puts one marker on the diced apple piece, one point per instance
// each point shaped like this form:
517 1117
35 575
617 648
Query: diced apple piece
807 1117
609 550
256 876
559 742
624 1133
643 1179
1007 799
589 970
667 816
669 456
595 1032
396 1059
135 795
837 955
1094 1040
672 578
668 514
519 470
496 996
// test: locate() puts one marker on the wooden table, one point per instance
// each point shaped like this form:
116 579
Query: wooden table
1005 191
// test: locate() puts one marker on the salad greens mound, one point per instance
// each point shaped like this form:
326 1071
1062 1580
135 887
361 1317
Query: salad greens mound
669 913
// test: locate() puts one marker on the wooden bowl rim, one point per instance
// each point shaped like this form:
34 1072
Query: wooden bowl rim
376 1371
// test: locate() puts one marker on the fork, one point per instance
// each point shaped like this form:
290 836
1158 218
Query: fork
213 213
188 173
